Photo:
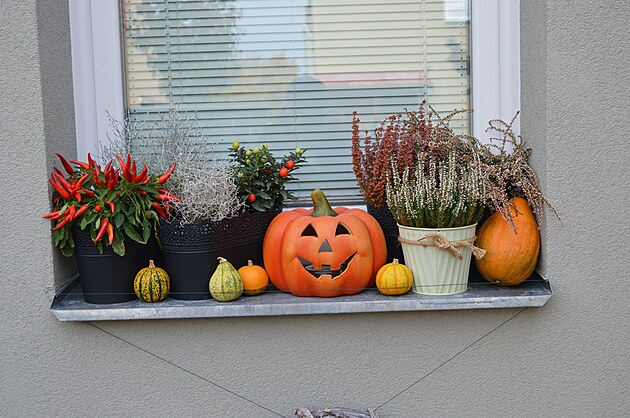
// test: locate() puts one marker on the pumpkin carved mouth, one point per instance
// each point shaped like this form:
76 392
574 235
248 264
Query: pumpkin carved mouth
326 270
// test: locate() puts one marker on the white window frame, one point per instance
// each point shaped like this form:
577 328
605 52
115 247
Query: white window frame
97 66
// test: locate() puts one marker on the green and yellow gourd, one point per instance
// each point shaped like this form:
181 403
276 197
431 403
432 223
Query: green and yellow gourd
151 284
226 284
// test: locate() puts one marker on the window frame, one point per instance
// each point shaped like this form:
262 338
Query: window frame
98 70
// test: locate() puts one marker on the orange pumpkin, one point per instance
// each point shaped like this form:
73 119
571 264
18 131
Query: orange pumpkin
510 257
255 279
324 252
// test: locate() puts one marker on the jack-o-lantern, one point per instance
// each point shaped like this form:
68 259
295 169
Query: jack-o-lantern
324 252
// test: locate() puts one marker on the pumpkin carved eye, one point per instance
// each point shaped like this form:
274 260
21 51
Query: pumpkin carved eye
342 230
309 231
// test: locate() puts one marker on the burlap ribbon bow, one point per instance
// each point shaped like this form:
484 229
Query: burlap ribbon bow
440 241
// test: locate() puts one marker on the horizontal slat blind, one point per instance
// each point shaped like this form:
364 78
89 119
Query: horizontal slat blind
291 72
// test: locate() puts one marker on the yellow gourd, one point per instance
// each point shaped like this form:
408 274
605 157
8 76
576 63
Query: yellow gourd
394 279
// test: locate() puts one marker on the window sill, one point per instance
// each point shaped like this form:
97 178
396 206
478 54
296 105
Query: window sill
534 292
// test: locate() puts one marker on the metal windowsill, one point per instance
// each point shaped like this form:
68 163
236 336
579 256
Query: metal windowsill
534 292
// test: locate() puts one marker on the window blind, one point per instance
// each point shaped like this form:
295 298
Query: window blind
290 73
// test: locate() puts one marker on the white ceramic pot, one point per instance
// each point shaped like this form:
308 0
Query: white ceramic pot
436 271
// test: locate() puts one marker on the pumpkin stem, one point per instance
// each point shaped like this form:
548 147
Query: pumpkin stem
221 260
395 261
321 207
151 264
250 263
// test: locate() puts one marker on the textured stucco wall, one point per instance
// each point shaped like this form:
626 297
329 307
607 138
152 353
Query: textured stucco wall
570 358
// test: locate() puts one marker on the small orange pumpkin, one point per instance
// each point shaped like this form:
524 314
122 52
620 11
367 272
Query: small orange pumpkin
394 279
510 257
324 252
255 279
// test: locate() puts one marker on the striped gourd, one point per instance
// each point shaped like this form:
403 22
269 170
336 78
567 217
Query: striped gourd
151 284
394 279
225 284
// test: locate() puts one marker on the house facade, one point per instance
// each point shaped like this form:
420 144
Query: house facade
568 358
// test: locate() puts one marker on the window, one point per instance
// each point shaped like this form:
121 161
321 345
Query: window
290 72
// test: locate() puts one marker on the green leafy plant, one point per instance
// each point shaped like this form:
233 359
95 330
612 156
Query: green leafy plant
260 178
112 203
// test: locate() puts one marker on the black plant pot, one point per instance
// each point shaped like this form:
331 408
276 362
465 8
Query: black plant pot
108 278
390 228
191 250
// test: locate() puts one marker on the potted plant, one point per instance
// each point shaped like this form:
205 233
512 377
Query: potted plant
398 137
105 216
261 181
198 229
437 204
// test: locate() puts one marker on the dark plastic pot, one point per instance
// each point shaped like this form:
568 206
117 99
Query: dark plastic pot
390 229
108 278
191 250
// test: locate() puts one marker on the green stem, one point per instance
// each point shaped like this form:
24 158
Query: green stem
321 207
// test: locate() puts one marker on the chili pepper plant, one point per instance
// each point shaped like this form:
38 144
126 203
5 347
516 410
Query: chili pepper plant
112 203
261 179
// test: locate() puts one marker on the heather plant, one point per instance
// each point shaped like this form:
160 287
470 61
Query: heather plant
507 173
438 193
400 138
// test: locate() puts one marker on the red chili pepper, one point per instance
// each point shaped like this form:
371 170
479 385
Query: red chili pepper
88 192
97 169
58 171
147 180
108 166
91 162
62 192
65 164
110 233
81 164
128 160
72 211
162 179
124 168
61 180
81 210
142 193
51 215
98 208
167 197
133 169
77 196
62 223
167 206
101 230
159 210
112 206
140 177
80 182
56 199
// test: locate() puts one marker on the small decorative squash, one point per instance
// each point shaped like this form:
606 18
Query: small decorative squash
225 284
394 279
510 257
151 284
255 279
324 252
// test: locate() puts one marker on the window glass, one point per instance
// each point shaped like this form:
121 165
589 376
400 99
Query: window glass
290 73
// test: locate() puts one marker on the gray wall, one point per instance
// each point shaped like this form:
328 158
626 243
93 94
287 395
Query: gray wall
570 358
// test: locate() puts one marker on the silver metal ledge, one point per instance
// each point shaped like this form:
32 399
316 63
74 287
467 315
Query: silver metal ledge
534 292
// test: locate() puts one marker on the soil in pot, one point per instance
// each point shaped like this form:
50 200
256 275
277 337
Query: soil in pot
108 278
191 250
390 228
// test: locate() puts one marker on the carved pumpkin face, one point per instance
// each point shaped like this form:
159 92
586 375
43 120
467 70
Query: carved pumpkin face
313 254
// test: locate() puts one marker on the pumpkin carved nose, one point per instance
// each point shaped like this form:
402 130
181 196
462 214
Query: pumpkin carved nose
325 247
